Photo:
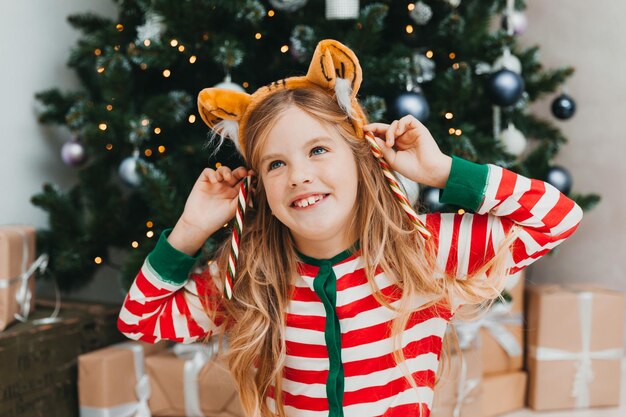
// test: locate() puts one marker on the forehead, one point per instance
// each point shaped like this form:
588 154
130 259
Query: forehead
295 127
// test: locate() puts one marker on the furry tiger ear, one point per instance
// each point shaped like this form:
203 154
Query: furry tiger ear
222 109
335 67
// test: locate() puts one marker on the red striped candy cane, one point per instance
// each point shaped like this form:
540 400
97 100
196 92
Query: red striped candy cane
395 188
242 202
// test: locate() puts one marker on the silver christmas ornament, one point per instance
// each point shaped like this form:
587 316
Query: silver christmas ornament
421 13
73 152
453 3
342 9
129 170
288 5
513 141
518 22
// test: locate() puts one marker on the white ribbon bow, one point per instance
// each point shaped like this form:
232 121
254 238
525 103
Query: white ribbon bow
584 372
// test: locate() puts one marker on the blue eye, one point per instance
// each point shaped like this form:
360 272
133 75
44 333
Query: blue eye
274 165
318 150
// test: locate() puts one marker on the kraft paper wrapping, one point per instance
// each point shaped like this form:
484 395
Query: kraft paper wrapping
575 346
503 393
17 253
215 387
107 379
496 359
458 392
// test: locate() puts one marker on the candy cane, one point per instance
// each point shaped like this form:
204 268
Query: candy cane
242 202
395 188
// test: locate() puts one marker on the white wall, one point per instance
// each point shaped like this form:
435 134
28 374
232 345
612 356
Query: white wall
35 40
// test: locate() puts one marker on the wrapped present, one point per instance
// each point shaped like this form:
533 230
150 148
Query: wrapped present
17 268
458 392
190 381
502 333
575 346
113 382
38 366
504 393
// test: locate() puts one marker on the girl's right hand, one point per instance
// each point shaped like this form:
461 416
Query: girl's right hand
213 199
211 203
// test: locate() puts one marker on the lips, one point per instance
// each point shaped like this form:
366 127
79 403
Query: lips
308 200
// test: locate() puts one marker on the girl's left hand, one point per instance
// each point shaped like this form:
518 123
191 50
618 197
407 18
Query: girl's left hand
410 149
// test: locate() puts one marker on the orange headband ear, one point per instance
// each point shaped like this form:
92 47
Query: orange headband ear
334 67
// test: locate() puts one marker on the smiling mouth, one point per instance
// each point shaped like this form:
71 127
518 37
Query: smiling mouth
309 201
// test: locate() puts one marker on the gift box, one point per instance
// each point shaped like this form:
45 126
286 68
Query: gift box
38 366
502 331
17 286
458 391
188 380
503 393
112 381
575 346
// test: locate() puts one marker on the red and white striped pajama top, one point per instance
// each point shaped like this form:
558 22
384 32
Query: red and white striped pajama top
339 349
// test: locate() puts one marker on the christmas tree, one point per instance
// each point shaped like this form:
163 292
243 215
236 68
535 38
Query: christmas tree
138 144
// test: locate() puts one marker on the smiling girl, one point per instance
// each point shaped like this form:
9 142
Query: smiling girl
339 304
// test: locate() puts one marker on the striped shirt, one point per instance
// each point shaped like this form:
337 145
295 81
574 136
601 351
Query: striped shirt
339 348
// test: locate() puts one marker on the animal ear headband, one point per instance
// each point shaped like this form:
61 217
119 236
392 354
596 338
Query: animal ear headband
335 68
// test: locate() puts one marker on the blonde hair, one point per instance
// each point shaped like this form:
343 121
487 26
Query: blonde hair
268 260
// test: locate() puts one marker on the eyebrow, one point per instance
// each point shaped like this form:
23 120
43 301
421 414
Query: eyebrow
305 145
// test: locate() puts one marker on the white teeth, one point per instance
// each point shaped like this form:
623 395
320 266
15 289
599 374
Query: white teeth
305 202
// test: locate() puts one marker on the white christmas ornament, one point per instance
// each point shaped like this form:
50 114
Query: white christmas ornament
152 28
288 5
513 140
454 3
129 170
229 85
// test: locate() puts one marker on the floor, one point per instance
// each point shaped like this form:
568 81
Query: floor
593 412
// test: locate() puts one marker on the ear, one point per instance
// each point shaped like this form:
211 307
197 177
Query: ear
217 104
332 60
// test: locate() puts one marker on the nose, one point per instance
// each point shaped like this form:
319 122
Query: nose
298 176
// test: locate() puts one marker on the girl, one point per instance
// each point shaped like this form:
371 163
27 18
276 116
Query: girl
340 303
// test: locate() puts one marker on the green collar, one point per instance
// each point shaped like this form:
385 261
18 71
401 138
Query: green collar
334 260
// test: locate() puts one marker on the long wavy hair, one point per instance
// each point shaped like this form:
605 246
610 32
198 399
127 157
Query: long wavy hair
255 316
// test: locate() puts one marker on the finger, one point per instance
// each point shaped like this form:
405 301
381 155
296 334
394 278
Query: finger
210 175
376 128
390 135
240 173
225 172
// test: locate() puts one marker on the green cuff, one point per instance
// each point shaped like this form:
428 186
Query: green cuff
170 264
466 184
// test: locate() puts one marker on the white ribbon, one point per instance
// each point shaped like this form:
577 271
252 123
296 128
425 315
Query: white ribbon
142 391
464 388
196 356
583 364
495 320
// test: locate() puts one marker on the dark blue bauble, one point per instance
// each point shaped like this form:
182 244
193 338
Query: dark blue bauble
560 178
563 107
411 103
430 199
504 87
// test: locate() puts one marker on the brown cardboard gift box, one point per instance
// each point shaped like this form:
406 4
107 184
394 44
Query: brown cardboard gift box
503 393
111 379
17 253
496 359
460 385
177 388
575 346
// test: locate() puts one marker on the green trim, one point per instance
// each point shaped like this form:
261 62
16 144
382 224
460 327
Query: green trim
325 285
170 264
334 260
466 185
